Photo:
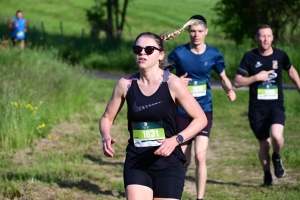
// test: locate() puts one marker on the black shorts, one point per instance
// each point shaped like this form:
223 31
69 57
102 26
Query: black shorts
261 119
15 40
184 120
165 183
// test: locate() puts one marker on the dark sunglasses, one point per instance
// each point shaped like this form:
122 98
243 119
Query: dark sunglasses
148 49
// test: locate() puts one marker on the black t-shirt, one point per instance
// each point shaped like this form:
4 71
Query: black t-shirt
159 107
269 92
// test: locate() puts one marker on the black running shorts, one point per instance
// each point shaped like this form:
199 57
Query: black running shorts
261 119
184 120
15 40
165 183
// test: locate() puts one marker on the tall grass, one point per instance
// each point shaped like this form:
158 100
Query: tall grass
36 92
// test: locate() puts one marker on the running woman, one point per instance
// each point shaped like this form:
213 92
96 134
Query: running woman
194 63
19 28
261 70
153 167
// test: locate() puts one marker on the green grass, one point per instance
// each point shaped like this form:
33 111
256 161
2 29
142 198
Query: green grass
37 91
71 13
73 165
158 16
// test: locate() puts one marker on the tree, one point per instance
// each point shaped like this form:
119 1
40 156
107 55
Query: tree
239 19
114 22
95 17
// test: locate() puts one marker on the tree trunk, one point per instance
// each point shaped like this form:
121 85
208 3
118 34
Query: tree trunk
109 32
120 28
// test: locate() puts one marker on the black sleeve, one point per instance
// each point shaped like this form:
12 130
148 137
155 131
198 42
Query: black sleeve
243 67
286 63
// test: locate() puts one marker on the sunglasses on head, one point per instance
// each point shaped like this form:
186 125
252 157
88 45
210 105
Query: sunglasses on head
148 49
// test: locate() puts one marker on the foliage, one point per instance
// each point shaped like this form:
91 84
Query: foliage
113 24
239 19
95 16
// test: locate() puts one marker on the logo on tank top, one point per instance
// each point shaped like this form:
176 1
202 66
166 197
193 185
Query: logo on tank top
136 108
258 64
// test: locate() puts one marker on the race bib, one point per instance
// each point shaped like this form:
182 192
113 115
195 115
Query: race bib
20 34
197 88
267 92
146 134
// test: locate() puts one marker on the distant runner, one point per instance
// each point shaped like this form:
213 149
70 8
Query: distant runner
19 28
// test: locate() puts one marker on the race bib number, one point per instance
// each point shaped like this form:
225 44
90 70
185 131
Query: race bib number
197 88
146 134
20 34
267 92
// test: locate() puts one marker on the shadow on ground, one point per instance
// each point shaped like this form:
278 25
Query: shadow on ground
209 181
101 161
89 187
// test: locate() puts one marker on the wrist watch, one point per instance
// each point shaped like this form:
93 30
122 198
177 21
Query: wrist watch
179 139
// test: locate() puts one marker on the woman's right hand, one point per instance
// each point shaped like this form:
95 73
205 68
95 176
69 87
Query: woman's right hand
107 147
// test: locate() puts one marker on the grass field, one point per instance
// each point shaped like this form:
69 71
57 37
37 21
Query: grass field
68 163
50 146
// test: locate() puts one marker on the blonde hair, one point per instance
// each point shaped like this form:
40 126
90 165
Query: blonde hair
170 36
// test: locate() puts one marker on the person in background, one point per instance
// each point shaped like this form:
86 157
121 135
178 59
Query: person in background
19 28
261 70
194 63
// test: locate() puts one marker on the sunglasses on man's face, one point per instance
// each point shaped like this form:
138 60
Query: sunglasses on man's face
148 49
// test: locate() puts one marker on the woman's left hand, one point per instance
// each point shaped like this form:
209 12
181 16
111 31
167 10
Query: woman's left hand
167 147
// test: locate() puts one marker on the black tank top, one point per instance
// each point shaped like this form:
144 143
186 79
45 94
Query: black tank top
160 106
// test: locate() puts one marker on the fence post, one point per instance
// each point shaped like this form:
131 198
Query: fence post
61 28
82 33
43 38
61 31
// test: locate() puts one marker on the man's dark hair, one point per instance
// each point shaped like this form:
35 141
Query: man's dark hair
262 26
18 11
200 17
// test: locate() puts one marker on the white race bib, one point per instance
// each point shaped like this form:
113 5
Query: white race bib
20 34
267 92
197 88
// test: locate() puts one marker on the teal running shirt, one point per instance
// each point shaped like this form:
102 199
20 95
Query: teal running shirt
198 67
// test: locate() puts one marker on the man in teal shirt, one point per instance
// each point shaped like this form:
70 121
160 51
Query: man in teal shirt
194 62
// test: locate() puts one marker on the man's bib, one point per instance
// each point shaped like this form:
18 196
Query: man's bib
267 92
197 88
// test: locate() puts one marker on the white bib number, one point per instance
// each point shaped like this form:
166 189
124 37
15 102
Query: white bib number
146 134
197 88
267 92
20 34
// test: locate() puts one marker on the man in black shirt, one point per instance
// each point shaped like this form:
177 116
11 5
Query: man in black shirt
261 70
